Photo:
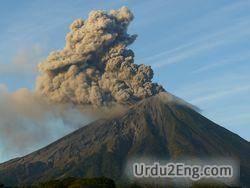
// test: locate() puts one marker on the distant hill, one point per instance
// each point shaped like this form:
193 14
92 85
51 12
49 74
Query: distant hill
154 127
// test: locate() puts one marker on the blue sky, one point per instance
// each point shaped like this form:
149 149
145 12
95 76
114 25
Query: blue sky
199 50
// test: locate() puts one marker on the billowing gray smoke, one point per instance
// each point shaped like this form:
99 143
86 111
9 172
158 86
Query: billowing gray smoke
95 67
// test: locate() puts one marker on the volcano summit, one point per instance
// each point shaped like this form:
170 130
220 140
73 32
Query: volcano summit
95 68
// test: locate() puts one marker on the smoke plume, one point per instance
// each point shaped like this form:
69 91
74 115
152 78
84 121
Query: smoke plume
28 122
95 67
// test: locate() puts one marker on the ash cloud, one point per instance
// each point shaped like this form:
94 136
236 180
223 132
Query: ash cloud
95 67
28 122
24 63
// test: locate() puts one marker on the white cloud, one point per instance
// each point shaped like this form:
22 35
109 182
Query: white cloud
209 37
219 94
232 60
204 45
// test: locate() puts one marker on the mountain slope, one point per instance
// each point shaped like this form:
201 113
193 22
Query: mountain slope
154 127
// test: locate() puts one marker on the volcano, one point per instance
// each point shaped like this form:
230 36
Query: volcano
155 126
